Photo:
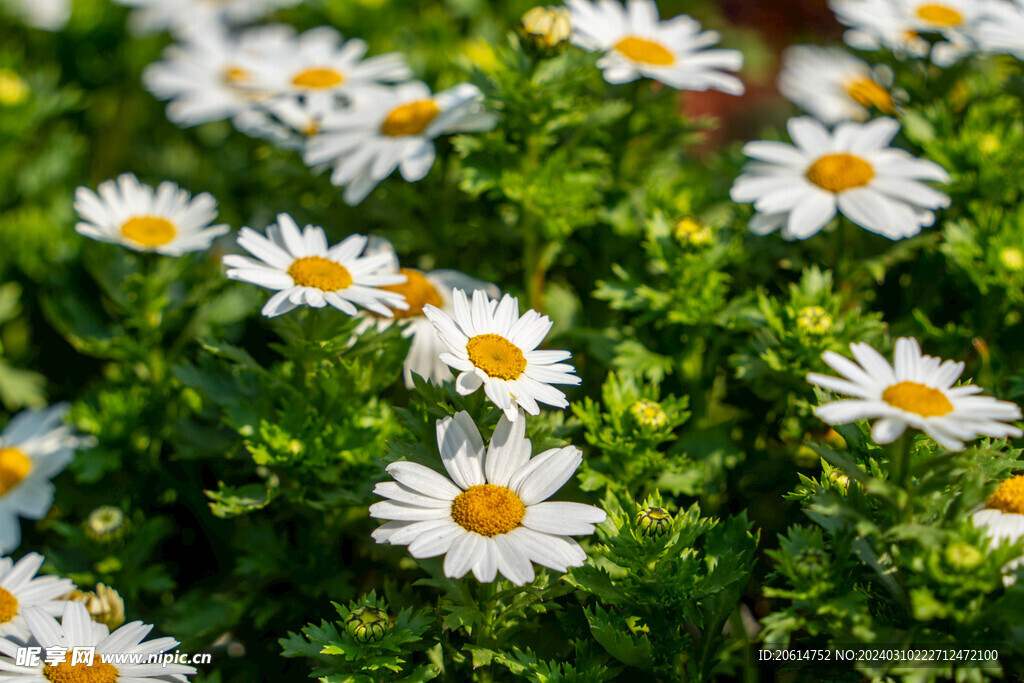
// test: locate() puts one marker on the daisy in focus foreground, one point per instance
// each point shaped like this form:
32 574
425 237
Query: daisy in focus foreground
435 288
917 392
393 128
167 220
77 630
34 448
304 270
637 44
21 589
491 516
852 170
833 85
492 346
1002 518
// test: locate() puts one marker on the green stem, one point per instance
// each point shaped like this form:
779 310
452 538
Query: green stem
899 460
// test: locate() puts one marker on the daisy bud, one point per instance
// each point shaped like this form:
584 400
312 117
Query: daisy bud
105 605
963 556
648 414
813 320
546 27
13 89
368 624
653 522
105 524
810 562
1012 258
692 233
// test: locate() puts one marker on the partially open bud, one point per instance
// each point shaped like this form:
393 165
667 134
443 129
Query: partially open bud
546 27
105 605
13 88
105 524
368 624
648 413
653 522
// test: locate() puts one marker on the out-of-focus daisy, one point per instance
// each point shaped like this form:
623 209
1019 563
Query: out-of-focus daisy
1002 28
636 43
203 76
420 288
492 516
186 15
492 346
105 604
34 448
391 129
833 85
1003 517
853 170
77 630
917 392
20 589
899 25
303 270
319 62
49 15
166 220
288 121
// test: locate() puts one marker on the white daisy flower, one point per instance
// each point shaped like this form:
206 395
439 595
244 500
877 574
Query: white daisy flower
420 288
1002 28
491 516
288 121
318 62
48 15
203 76
853 170
917 392
20 589
899 25
77 629
833 85
491 345
1003 518
182 16
168 220
34 448
637 44
393 128
305 271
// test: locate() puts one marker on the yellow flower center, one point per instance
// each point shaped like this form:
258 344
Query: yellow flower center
918 399
496 356
320 273
8 606
236 74
868 93
814 320
839 172
649 413
1012 258
149 231
418 292
318 78
83 672
14 466
940 15
488 510
411 118
645 51
692 232
1009 497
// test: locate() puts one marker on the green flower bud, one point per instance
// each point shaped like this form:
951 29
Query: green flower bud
653 522
692 233
546 27
368 624
649 414
105 524
813 320
963 556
